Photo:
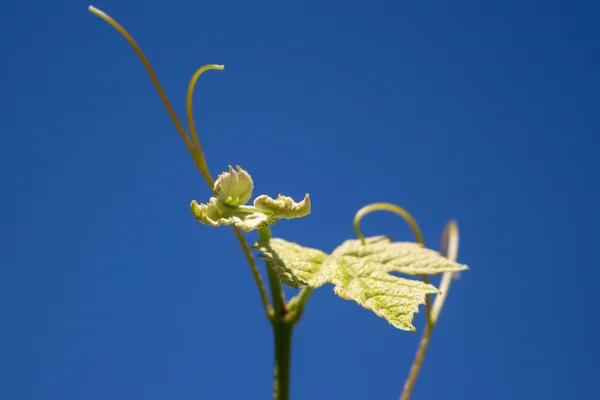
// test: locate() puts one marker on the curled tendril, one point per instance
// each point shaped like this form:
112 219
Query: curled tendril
192 145
387 207
198 154
449 249
449 241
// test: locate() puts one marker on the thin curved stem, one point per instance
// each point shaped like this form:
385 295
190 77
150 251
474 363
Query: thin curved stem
417 363
153 76
450 247
255 273
387 207
194 149
198 154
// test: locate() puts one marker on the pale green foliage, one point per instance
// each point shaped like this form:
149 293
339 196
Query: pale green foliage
404 257
284 207
361 273
233 189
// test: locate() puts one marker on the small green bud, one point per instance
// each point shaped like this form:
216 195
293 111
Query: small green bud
234 188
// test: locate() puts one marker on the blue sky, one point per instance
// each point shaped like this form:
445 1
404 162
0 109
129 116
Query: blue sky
486 112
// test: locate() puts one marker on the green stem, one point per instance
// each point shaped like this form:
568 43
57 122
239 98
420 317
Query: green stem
264 235
280 308
418 362
283 346
282 330
423 345
254 269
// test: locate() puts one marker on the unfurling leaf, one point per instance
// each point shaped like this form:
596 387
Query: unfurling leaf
362 273
283 207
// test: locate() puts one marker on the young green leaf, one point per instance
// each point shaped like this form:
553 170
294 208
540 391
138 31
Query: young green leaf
283 207
296 266
361 273
404 257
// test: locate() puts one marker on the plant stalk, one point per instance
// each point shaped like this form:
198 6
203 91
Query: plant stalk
283 346
420 356
282 330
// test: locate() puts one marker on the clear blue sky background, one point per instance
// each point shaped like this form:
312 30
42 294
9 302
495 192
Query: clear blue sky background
486 112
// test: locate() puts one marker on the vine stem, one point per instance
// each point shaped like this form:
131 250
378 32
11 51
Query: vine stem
419 357
255 273
449 247
282 330
192 145
283 349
